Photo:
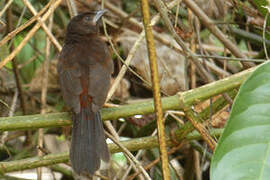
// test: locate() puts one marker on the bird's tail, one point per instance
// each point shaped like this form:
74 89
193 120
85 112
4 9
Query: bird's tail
88 144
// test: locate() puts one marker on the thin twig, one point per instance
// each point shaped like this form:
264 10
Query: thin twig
187 52
200 128
34 57
156 89
124 67
117 138
176 14
108 123
13 104
43 25
193 77
214 68
126 151
136 23
217 32
229 58
44 89
132 51
201 149
25 25
264 27
14 64
150 165
120 58
249 36
72 9
214 48
4 103
45 70
5 8
138 155
30 34
18 24
197 166
10 114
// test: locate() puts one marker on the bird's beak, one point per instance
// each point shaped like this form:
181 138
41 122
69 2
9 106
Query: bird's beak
99 14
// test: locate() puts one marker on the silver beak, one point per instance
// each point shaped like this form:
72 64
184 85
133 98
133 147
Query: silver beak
99 14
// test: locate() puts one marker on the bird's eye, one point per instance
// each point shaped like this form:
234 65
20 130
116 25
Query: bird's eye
87 18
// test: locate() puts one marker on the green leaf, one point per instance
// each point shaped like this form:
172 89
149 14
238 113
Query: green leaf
36 44
243 151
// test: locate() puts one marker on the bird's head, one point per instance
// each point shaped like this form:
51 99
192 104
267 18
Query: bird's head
85 23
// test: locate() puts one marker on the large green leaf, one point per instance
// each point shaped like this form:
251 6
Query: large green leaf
243 151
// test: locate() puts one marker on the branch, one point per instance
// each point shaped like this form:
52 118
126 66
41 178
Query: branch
168 103
156 89
25 25
215 31
132 51
30 34
186 51
43 25
132 145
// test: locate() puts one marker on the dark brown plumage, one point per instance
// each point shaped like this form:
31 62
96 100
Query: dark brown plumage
85 69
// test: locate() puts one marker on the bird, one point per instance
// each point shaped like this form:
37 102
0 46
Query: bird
85 67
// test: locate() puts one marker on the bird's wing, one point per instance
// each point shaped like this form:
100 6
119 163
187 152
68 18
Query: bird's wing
99 74
69 79
99 84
